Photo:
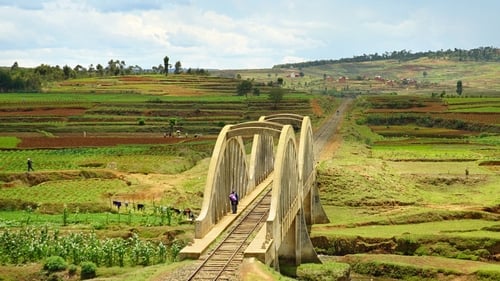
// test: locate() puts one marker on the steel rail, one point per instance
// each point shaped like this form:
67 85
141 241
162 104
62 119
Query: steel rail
213 266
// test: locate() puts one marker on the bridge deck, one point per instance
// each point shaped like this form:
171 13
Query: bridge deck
199 246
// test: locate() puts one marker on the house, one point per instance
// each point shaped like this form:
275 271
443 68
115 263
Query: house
343 79
293 74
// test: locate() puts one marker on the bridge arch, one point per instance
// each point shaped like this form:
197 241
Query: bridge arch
229 168
295 204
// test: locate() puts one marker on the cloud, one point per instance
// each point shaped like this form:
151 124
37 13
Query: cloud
23 4
233 34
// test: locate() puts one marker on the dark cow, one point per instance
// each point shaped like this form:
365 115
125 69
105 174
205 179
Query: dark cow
140 207
117 204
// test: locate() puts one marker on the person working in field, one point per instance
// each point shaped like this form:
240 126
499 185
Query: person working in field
233 197
30 165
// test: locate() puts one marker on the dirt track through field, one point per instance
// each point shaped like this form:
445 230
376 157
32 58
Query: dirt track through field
326 138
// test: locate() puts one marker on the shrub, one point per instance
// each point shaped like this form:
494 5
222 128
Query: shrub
393 270
88 270
72 269
54 264
325 271
488 275
406 245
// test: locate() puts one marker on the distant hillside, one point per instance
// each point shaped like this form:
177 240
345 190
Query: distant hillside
431 72
490 54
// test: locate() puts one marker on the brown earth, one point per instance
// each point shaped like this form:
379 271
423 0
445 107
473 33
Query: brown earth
42 111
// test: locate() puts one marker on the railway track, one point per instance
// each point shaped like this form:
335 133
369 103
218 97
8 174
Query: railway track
223 261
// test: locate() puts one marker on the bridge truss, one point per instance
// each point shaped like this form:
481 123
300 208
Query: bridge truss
276 153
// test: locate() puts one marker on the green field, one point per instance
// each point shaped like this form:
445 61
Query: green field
414 175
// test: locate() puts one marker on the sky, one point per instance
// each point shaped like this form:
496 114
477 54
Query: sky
235 34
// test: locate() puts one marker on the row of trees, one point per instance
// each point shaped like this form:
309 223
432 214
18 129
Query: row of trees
275 93
17 79
478 54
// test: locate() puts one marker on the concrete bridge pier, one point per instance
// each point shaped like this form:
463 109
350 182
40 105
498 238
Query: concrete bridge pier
297 248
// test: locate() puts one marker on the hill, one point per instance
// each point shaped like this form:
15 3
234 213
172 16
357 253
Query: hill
421 75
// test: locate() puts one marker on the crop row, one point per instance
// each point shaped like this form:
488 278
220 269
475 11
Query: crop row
156 159
29 245
429 121
449 152
56 215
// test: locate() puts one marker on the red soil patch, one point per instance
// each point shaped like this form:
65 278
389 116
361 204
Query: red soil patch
316 108
80 141
43 112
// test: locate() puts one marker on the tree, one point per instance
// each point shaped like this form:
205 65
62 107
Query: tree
276 95
100 69
67 72
244 87
113 67
178 68
15 66
91 69
165 63
459 87
171 123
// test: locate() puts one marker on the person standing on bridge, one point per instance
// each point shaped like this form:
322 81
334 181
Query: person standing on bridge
233 197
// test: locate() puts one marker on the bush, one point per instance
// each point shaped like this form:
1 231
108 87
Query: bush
393 270
88 270
54 264
488 275
407 245
325 271
72 269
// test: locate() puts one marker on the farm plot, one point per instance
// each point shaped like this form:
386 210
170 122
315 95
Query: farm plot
119 158
128 115
396 188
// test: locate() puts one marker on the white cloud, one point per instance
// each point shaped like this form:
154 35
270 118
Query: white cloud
233 34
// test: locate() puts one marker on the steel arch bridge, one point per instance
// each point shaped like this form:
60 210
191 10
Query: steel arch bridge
276 154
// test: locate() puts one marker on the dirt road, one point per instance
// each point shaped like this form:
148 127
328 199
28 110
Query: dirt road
325 137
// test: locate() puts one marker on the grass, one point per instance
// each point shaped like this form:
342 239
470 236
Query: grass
429 152
9 142
458 266
379 188
158 159
68 191
374 186
155 272
452 228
